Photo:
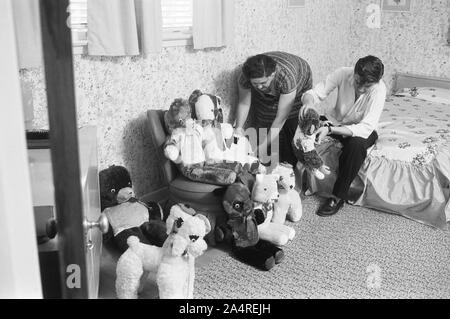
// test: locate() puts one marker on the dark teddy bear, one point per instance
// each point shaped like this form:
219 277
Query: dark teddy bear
241 229
184 146
127 216
304 144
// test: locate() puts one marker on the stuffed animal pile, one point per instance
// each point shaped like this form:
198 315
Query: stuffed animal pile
128 216
204 148
174 263
304 144
241 230
252 231
184 147
265 195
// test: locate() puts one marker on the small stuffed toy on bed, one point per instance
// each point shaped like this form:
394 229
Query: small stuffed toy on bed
128 216
304 144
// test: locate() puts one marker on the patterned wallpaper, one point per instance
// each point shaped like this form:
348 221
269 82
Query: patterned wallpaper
414 42
114 93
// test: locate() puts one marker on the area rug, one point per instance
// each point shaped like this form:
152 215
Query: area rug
357 253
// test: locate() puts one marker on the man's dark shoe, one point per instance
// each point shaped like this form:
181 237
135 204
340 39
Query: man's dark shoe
330 207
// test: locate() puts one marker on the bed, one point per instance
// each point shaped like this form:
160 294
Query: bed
407 171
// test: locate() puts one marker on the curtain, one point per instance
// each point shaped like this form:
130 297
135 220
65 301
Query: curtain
213 23
124 27
28 33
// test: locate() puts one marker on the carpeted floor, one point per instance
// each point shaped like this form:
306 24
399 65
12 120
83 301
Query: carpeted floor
358 253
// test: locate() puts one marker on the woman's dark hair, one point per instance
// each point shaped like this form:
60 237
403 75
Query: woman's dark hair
370 69
259 66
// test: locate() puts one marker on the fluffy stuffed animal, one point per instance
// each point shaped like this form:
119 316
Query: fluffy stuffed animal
241 230
174 263
206 109
128 216
304 144
184 147
289 203
264 194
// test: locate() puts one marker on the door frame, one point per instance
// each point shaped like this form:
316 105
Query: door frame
19 266
62 117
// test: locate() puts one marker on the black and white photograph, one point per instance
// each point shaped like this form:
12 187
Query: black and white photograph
227 154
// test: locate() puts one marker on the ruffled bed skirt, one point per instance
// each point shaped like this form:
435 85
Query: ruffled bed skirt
418 192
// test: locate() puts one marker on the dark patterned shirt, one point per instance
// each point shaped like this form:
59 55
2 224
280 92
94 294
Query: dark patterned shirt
292 73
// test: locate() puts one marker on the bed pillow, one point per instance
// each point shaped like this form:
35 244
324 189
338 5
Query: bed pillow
430 94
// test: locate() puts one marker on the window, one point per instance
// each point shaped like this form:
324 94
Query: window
177 22
176 16
78 24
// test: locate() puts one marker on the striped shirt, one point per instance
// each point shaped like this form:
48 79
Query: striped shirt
292 74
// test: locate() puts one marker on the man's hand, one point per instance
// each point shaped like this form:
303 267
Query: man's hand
303 110
320 134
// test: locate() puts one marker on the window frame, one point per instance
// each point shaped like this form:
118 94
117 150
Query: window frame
177 36
171 36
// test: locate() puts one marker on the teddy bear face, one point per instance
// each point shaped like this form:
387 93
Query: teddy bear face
114 180
310 122
287 175
205 107
177 115
265 189
187 232
237 200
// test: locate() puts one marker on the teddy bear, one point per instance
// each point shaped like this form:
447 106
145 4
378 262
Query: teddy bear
304 144
184 146
221 144
241 230
173 263
127 216
289 203
264 195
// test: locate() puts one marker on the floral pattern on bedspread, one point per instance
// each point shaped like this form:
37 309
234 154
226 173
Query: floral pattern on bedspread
412 130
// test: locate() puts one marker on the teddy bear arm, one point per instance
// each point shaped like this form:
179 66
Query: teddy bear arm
273 234
295 210
280 211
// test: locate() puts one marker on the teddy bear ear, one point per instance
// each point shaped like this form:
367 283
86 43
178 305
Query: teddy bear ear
194 97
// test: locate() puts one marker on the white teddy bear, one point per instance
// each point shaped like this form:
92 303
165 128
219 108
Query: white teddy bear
289 203
173 263
265 194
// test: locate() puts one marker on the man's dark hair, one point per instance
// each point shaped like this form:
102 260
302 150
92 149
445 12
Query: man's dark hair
370 69
259 66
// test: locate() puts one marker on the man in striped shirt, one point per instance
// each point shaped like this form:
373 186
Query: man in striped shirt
271 85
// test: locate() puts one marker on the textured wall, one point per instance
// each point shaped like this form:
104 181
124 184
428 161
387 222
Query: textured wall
414 41
114 93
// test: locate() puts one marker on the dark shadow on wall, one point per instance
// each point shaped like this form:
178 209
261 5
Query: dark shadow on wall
140 158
